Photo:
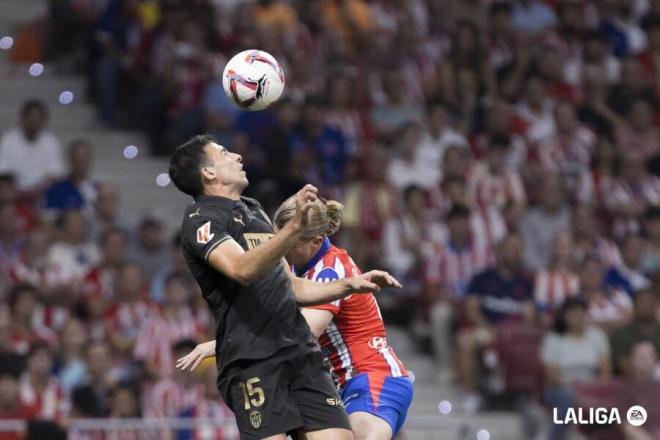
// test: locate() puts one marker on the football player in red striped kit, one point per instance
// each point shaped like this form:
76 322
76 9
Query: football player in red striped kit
372 381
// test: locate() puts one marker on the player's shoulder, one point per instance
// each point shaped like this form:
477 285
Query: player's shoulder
251 203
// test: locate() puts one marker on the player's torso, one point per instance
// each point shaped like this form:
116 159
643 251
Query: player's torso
254 321
355 340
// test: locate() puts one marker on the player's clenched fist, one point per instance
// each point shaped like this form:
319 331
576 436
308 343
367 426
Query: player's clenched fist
305 199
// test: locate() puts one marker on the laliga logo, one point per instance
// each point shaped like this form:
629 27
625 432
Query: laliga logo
636 416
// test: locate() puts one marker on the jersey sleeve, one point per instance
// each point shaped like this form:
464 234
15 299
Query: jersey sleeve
202 233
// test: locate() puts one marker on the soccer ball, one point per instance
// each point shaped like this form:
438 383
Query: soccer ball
253 79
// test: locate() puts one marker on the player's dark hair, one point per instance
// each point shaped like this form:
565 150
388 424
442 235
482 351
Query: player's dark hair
187 162
458 211
569 304
16 291
34 104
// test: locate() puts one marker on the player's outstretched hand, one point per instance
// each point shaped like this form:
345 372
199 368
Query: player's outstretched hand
372 281
195 357
305 198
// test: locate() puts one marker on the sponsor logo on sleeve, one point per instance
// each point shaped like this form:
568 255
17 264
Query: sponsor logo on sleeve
204 234
326 275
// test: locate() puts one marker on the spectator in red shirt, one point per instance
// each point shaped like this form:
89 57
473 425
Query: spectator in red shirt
22 306
40 388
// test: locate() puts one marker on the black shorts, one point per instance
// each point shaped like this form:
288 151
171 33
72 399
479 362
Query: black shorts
289 391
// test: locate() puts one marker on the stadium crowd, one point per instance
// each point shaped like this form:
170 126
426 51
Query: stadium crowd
502 158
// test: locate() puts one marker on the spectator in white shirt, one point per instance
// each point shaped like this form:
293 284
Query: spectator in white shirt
73 255
30 152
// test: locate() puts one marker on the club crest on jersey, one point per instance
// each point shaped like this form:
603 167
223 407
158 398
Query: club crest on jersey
326 275
255 419
204 234
378 343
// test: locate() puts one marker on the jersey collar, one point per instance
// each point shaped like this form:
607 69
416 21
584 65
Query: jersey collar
219 201
315 259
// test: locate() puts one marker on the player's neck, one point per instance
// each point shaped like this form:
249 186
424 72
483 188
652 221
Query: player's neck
229 192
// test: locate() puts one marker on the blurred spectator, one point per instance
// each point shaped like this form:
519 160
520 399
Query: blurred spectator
176 266
11 406
125 403
368 205
495 295
84 404
11 243
276 15
637 132
71 363
573 351
407 236
149 249
101 376
436 139
628 275
75 191
643 327
537 110
406 167
540 225
492 183
610 308
326 145
532 16
40 388
651 254
106 212
30 152
559 281
641 388
396 109
73 254
589 241
569 151
448 271
172 395
9 194
128 310
211 408
22 301
159 332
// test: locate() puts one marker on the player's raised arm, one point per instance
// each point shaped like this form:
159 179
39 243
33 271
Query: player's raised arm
310 293
245 267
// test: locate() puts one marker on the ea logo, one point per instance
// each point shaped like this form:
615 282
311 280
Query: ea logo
636 415
326 275
377 342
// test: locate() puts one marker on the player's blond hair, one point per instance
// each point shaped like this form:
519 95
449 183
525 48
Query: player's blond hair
324 217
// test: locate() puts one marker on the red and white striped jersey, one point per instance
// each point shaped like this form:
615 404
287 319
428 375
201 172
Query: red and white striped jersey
169 398
355 340
486 188
567 155
552 287
604 250
50 404
158 334
610 307
127 317
621 193
451 268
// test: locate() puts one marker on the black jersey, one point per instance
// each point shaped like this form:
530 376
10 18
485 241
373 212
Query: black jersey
253 322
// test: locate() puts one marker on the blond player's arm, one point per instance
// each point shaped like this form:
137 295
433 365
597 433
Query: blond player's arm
317 320
310 293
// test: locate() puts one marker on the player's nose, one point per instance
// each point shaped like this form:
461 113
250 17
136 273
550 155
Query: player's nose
238 158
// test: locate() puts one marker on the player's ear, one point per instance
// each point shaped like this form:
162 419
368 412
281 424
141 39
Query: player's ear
318 240
208 173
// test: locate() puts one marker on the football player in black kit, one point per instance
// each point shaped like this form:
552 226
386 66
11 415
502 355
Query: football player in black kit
270 369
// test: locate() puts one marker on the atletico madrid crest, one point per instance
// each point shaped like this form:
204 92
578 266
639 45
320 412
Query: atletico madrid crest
255 419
